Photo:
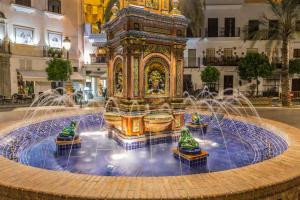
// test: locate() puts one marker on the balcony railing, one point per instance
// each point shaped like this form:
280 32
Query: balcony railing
221 61
221 32
52 52
99 60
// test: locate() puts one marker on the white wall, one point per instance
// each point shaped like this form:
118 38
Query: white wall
69 24
242 13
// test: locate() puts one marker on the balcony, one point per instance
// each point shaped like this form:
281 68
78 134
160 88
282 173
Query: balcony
221 61
52 52
221 32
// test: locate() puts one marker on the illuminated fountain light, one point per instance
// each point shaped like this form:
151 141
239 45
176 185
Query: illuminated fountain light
119 156
207 143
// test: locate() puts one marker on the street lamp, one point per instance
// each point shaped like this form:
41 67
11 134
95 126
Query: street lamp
67 45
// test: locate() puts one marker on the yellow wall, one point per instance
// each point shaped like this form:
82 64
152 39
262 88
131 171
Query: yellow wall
157 6
94 11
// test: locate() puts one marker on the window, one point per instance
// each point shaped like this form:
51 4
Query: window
23 2
253 28
252 50
273 28
55 40
210 52
228 52
23 35
229 27
296 53
212 28
298 25
192 59
54 6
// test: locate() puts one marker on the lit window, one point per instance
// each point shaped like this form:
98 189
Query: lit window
55 39
296 53
23 35
54 6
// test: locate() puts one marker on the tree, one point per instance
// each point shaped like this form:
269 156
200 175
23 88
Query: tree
294 66
193 10
210 75
59 69
254 66
287 13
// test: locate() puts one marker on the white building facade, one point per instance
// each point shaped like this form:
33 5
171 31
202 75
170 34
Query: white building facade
29 29
225 41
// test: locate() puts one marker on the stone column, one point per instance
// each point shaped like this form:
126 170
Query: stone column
5 82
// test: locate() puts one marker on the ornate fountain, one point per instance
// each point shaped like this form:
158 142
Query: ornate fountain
146 40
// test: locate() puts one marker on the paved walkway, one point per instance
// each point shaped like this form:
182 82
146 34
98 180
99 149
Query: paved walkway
290 116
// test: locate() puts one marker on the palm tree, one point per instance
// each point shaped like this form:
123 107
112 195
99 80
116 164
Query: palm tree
193 10
283 31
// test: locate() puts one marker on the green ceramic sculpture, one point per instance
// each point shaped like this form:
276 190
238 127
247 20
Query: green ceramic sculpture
187 142
69 131
196 119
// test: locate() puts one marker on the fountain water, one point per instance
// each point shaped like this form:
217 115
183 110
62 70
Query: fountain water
233 140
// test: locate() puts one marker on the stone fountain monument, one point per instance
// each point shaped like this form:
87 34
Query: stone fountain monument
145 44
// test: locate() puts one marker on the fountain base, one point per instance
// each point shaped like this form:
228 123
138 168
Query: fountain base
63 144
136 142
191 160
196 127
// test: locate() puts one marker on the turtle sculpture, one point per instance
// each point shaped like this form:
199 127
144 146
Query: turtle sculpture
69 131
67 138
196 119
187 143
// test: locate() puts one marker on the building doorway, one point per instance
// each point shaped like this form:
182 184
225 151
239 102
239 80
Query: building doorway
228 85
296 84
187 83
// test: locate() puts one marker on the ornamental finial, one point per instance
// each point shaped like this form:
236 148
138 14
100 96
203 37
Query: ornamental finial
175 10
114 10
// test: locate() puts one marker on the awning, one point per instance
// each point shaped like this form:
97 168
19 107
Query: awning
31 75
76 76
101 75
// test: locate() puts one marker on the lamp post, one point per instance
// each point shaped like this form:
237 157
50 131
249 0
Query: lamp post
67 45
5 38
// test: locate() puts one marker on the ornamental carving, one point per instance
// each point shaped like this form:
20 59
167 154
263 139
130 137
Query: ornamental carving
179 78
165 50
118 78
154 4
157 78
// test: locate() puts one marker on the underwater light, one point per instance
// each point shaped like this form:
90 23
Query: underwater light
119 156
207 142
